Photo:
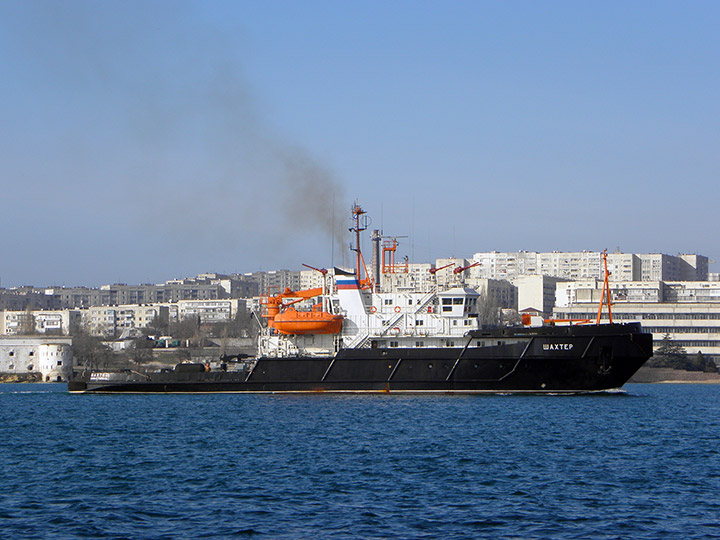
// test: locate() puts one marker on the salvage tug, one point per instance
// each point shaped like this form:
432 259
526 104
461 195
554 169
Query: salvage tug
354 335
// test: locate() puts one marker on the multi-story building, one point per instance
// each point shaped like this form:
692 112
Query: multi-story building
536 293
688 311
503 293
208 311
58 322
275 281
200 288
588 265
113 320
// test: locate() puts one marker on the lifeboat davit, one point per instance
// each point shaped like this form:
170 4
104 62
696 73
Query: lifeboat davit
294 322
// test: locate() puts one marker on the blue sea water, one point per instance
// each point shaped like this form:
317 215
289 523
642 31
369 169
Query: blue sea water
642 464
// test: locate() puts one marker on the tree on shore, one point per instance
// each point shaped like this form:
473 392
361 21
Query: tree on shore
698 362
671 355
488 311
242 325
89 351
141 350
158 326
184 329
668 355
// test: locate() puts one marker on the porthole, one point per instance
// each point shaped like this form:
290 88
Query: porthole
475 366
429 366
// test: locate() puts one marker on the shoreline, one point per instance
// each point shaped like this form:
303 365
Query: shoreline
649 375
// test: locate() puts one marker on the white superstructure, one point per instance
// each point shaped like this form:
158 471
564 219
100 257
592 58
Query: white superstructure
382 320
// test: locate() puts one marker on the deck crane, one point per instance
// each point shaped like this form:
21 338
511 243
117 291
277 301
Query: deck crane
434 271
460 269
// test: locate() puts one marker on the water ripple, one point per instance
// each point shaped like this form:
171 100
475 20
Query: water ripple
641 464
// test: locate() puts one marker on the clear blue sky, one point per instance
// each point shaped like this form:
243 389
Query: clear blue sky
142 141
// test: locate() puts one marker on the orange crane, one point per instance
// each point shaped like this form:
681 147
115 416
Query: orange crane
434 271
460 269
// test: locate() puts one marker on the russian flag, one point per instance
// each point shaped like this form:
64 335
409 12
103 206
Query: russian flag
346 280
347 284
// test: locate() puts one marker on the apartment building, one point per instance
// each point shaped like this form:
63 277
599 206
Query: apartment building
114 320
208 311
57 322
588 265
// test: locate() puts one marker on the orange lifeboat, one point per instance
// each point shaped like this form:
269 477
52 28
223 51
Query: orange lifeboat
287 320
292 321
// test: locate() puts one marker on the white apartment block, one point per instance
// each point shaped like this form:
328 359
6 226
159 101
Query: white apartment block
209 311
312 279
588 264
536 293
58 322
113 320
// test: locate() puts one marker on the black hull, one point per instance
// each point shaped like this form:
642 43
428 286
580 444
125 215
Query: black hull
544 360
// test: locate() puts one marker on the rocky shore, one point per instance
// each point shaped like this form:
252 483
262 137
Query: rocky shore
20 377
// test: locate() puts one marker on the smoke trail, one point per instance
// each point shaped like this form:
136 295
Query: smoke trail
163 123
312 192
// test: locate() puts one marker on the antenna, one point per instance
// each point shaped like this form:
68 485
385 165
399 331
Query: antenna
332 233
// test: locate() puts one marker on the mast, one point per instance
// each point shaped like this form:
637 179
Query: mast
360 225
357 229
376 238
605 298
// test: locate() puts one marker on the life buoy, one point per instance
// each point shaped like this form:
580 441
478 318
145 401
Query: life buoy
397 309
373 309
